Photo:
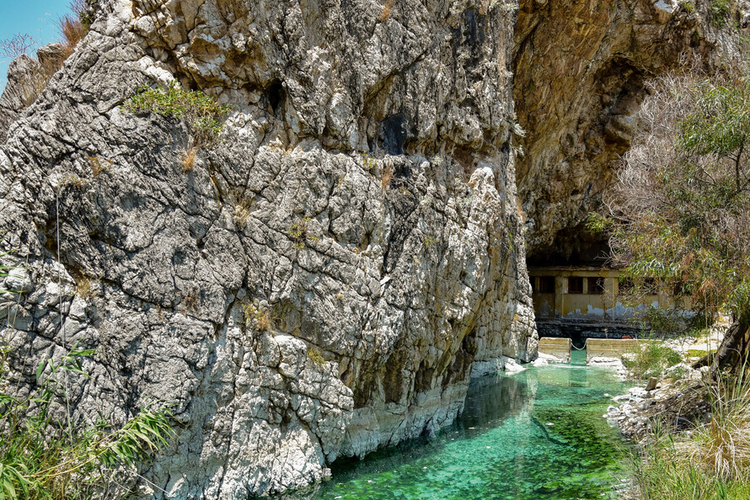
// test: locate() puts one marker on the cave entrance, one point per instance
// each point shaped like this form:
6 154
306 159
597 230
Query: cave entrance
576 293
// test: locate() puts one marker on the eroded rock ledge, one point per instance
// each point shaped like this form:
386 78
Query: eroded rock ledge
318 284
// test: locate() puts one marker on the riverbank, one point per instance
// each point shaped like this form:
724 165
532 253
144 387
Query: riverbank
691 431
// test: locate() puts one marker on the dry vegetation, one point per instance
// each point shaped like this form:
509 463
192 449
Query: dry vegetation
679 217
188 160
387 11
98 165
72 29
387 175
18 44
257 317
241 214
710 462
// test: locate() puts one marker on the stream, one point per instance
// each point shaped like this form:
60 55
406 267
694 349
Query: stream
537 434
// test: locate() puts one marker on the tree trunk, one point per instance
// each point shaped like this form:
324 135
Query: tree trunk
731 352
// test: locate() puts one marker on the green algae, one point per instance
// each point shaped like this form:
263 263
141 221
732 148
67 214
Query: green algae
538 434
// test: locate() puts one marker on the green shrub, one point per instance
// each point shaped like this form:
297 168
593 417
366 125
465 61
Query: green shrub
652 359
85 10
720 10
41 458
299 232
203 115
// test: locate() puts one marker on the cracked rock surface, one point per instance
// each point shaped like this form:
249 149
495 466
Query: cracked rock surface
317 284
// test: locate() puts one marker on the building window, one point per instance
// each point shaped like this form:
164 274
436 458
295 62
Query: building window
626 286
650 287
575 284
546 284
596 285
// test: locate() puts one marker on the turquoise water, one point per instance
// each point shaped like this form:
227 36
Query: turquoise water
538 434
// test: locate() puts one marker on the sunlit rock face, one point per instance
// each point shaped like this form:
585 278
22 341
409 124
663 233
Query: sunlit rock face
580 69
317 284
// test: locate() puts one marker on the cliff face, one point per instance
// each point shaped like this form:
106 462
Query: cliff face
580 69
321 281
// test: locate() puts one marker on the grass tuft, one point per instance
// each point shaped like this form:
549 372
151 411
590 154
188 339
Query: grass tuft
387 11
710 462
188 160
651 359
387 176
72 31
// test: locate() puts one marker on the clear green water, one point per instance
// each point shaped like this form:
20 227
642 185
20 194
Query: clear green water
538 434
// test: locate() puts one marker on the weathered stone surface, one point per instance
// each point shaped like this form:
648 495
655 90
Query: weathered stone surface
320 282
20 91
27 78
579 73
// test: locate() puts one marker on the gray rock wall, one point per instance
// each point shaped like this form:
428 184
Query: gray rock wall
317 284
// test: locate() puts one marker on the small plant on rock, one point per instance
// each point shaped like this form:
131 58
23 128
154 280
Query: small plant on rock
257 317
98 165
191 302
202 114
385 181
242 208
300 233
188 161
316 356
86 287
369 162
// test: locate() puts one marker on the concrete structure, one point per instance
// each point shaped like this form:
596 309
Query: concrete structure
611 348
589 293
557 347
595 348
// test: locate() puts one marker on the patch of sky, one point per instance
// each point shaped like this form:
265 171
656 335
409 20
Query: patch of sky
37 18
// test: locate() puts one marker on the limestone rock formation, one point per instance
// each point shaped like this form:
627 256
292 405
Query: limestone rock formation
20 91
580 69
27 78
317 284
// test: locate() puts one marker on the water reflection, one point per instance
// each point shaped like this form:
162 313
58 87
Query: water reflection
533 435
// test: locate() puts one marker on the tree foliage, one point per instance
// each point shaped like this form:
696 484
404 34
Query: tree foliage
680 212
